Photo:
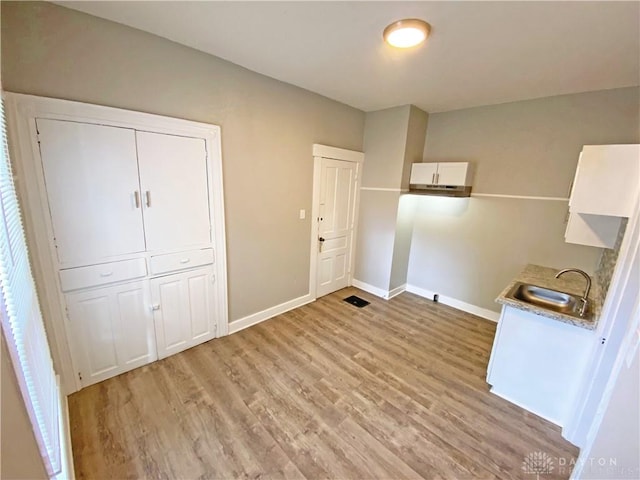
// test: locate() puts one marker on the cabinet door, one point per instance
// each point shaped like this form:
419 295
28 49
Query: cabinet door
537 362
607 180
91 177
594 230
452 173
183 310
112 330
173 177
423 173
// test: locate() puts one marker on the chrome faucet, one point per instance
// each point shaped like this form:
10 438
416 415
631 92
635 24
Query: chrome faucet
585 296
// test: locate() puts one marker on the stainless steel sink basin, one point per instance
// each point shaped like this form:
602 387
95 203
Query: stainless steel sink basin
553 300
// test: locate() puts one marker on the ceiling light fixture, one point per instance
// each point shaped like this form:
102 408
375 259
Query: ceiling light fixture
406 33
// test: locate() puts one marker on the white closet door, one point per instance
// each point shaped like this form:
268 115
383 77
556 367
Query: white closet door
173 177
183 310
91 177
112 330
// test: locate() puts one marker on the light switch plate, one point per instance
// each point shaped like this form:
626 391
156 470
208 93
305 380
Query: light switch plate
303 214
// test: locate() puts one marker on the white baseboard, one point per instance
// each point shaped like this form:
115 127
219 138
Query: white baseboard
396 291
378 292
258 317
459 304
528 408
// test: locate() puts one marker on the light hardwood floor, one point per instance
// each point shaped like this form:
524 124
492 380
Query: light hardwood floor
394 390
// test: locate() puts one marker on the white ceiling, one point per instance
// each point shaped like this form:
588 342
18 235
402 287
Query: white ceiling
479 53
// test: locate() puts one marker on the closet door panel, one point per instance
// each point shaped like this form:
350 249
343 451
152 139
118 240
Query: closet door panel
91 178
173 177
111 330
183 310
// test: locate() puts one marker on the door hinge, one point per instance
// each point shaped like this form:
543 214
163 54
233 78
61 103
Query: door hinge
80 376
602 341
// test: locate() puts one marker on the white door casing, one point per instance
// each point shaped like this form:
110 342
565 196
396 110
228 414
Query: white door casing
335 203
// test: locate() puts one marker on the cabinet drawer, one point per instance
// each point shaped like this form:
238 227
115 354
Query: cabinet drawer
179 261
82 277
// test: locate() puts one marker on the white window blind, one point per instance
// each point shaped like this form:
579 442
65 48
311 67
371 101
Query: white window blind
22 322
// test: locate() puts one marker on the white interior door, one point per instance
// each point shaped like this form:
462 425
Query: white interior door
173 178
91 177
338 180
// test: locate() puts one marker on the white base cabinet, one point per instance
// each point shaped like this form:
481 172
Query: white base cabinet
184 307
538 362
113 330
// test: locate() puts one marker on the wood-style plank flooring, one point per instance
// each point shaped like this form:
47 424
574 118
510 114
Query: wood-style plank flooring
394 390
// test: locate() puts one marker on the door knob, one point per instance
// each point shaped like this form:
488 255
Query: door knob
320 243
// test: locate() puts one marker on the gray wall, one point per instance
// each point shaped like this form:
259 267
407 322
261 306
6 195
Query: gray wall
385 139
19 454
416 131
376 236
532 147
393 139
469 249
268 128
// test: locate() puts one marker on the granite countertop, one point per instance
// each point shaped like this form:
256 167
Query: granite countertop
572 283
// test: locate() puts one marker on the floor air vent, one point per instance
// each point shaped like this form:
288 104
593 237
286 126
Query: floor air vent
357 301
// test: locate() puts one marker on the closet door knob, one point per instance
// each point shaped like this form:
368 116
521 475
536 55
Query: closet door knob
136 198
147 195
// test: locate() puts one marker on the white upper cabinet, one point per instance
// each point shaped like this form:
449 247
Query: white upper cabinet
607 180
173 179
605 189
423 173
449 173
91 179
454 173
116 191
